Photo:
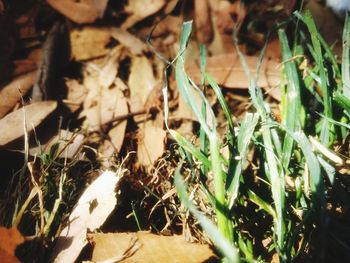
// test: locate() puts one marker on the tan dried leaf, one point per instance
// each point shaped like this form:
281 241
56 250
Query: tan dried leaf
76 94
141 82
146 247
91 211
140 10
108 104
228 71
11 93
134 44
150 144
109 71
12 125
89 42
69 144
204 27
83 11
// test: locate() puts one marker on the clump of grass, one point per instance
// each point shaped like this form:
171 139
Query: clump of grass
43 192
293 159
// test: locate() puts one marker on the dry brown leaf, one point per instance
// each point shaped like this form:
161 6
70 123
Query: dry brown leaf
109 71
11 94
89 42
12 125
204 27
134 44
10 238
83 11
150 143
116 134
146 247
76 93
141 82
226 17
228 71
140 10
69 144
91 211
108 104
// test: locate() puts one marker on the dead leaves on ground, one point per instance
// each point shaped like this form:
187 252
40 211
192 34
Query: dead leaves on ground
92 209
146 247
24 120
120 86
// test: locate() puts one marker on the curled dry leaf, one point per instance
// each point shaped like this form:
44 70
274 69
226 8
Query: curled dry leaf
150 144
83 11
140 10
91 211
11 94
228 71
89 42
12 125
147 247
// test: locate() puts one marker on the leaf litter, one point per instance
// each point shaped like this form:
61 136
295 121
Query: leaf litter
112 115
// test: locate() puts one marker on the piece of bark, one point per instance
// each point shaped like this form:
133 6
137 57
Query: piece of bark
56 54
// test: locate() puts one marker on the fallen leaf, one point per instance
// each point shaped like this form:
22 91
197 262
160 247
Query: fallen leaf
203 23
150 144
140 10
89 42
109 71
69 144
10 238
91 211
76 93
117 132
228 71
109 104
146 247
141 82
83 11
12 125
226 17
11 94
134 44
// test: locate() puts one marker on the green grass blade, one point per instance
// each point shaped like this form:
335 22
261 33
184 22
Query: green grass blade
316 182
244 137
188 146
292 107
327 130
346 58
228 250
